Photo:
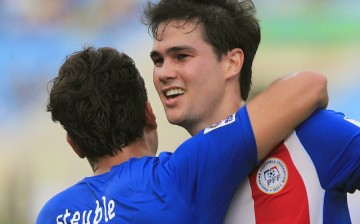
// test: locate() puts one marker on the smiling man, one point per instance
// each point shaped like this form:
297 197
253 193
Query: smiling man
185 74
203 52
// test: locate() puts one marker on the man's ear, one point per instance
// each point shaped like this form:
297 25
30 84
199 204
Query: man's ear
235 60
75 147
150 118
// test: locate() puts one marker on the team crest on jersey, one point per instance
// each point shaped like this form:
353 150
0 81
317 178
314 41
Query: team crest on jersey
272 176
219 124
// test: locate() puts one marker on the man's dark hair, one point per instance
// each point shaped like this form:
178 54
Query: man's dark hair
99 98
226 24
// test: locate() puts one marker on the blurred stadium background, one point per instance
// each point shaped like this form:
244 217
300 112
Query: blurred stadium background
36 35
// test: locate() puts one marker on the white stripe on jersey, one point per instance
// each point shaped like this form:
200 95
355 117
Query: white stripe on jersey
309 175
244 201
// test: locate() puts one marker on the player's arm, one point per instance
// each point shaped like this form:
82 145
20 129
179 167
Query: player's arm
284 105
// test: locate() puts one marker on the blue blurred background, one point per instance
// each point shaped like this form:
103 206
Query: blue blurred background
36 35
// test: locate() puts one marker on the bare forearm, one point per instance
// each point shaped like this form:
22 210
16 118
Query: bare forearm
284 105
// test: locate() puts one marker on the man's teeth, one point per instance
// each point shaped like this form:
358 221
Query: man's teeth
173 92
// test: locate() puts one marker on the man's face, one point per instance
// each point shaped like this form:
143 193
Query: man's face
187 75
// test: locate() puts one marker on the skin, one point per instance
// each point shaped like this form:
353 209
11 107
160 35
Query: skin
183 61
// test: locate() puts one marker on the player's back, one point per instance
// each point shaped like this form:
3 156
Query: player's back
132 192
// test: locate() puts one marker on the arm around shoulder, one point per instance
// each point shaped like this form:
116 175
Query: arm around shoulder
286 103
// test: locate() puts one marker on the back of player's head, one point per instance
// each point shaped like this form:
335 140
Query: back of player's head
99 98
226 24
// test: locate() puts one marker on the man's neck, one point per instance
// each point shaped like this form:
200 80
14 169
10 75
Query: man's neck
135 150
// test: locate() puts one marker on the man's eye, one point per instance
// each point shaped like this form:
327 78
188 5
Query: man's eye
158 62
182 56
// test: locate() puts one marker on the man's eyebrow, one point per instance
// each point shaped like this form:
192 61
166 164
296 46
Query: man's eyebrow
172 50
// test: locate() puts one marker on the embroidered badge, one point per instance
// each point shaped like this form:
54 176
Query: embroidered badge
272 176
219 124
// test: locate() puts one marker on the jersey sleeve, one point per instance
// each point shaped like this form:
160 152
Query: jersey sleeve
333 143
209 166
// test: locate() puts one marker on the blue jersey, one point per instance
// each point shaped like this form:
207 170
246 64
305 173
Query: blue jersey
306 178
194 184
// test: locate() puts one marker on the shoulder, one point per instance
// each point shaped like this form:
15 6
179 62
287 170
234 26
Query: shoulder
329 133
231 137
324 114
57 204
327 120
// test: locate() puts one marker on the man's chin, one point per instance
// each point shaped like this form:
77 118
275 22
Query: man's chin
175 120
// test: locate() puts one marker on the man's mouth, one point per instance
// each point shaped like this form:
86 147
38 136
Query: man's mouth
172 93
